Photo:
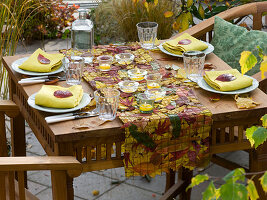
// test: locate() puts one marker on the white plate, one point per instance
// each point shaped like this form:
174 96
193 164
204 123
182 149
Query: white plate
203 84
15 66
206 51
84 102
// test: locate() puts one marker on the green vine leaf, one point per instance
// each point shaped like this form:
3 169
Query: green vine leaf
247 61
264 120
197 180
232 190
249 134
252 191
263 181
233 176
210 192
259 136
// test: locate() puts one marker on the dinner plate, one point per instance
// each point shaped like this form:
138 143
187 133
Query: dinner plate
206 51
84 102
15 66
204 85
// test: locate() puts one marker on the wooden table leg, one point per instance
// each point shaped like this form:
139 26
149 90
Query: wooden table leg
186 176
170 179
258 163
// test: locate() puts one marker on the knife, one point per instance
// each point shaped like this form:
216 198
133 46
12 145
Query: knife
41 80
66 118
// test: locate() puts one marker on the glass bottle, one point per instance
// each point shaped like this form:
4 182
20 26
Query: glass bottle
82 32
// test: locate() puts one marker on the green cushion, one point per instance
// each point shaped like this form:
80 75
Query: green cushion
230 40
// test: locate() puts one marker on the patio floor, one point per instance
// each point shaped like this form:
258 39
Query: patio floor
111 184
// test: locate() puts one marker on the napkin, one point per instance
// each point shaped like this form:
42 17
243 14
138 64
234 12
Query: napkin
184 43
239 83
45 97
32 63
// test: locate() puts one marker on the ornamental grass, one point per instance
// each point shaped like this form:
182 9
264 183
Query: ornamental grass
125 14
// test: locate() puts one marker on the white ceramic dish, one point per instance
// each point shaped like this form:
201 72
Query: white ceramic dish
15 66
202 83
84 102
206 51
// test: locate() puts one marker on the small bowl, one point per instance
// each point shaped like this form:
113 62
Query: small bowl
124 58
128 86
157 94
105 62
137 74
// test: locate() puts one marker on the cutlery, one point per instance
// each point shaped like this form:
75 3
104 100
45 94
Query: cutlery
41 79
70 116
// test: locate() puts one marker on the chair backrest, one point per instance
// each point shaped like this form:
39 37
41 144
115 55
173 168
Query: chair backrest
11 167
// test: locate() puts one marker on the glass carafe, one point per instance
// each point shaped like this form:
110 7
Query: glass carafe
82 32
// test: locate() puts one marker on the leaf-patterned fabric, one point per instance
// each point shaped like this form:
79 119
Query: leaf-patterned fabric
175 134
230 40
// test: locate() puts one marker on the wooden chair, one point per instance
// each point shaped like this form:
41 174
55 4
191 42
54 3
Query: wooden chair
231 137
11 167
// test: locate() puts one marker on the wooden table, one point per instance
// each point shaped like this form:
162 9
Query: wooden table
61 139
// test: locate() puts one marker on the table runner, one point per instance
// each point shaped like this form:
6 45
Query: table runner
174 135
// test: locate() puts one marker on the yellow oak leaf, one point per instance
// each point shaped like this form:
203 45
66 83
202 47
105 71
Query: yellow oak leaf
201 11
263 67
168 14
245 102
189 3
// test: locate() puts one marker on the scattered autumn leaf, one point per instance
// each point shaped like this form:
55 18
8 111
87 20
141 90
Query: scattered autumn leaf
245 102
168 14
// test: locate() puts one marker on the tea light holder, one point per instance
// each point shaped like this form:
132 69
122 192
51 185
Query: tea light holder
105 62
137 74
146 104
124 58
153 81
158 94
128 86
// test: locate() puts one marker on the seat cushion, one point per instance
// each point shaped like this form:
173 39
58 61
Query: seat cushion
230 40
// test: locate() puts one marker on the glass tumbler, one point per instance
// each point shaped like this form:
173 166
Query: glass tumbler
74 70
107 102
146 104
194 64
147 33
153 81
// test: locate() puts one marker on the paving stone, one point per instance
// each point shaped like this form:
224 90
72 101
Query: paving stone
216 171
240 157
45 194
157 184
33 145
35 188
117 173
87 182
125 191
42 177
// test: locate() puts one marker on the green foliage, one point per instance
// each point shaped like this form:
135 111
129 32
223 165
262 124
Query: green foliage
252 191
263 181
259 136
247 61
235 191
210 192
197 180
233 176
52 19
264 120
249 134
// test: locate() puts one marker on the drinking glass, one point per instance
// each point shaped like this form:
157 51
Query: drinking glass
74 70
107 102
194 64
147 33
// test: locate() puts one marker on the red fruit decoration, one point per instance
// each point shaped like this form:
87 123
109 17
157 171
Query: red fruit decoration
43 60
226 77
184 42
62 94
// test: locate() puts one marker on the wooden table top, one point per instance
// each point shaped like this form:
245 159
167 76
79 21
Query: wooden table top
222 110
